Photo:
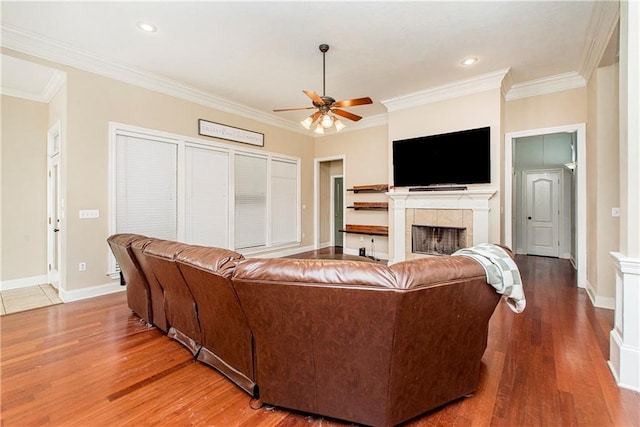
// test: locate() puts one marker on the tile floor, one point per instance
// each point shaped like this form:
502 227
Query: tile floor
15 300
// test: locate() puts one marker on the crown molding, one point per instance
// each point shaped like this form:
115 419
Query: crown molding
38 46
603 22
456 89
38 92
546 85
54 85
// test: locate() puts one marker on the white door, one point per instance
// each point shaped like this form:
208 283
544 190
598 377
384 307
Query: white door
542 212
54 208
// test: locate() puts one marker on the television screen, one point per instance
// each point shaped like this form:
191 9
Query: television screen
452 158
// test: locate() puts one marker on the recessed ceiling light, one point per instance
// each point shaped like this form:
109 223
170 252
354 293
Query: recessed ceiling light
469 61
145 26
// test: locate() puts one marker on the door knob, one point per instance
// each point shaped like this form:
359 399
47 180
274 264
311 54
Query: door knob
55 230
528 217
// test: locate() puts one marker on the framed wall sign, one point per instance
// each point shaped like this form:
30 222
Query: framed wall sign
230 133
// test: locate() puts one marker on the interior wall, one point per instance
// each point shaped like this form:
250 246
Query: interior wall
92 101
466 112
24 188
365 163
554 109
603 181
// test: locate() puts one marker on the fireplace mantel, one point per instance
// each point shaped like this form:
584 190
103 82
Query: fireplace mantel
474 200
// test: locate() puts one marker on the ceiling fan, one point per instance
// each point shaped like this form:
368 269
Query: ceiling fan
327 106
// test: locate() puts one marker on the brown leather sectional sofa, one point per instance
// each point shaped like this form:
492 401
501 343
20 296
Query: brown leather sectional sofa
357 341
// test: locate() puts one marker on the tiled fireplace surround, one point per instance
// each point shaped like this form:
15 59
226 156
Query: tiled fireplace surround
468 209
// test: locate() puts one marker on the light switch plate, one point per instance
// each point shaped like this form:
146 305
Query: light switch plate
89 213
615 212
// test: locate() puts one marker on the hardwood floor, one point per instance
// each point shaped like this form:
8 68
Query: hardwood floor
94 363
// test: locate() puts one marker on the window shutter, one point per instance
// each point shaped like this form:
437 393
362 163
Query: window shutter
146 187
250 201
207 197
284 205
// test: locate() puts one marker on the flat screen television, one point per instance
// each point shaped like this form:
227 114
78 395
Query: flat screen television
448 159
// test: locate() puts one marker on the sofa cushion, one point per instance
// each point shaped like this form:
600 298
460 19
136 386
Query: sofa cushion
435 270
319 272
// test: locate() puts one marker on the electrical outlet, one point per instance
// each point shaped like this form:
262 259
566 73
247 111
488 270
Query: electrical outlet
82 266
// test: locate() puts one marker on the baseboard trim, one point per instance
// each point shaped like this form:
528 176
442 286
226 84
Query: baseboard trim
24 282
599 301
90 292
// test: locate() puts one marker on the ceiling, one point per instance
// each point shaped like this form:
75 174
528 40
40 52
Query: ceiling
261 55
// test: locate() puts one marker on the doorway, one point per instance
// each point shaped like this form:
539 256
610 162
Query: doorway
54 207
573 189
329 194
337 209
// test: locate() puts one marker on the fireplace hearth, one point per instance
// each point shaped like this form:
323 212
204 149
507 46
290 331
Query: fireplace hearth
434 240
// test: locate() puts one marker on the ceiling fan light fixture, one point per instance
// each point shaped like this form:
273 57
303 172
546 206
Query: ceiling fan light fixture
339 124
327 121
319 129
306 123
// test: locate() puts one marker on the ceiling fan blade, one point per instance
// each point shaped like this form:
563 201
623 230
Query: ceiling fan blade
293 109
315 116
314 97
346 114
353 102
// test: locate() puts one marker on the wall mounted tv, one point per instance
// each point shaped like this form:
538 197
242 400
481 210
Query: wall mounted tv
452 158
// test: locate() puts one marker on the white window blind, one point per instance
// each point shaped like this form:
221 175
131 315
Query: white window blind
284 201
146 177
206 197
250 201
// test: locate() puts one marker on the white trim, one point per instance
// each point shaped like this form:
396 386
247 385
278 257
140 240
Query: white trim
546 85
624 339
599 301
32 44
54 84
181 142
316 192
476 200
54 158
581 190
23 282
603 22
332 204
481 83
90 292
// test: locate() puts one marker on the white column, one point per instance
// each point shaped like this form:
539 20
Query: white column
624 343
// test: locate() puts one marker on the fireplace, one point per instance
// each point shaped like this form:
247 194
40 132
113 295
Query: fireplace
434 240
462 209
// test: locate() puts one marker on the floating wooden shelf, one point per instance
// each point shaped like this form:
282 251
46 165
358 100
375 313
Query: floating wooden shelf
370 206
375 188
371 230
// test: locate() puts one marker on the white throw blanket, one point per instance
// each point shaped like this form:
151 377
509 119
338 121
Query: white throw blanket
502 272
